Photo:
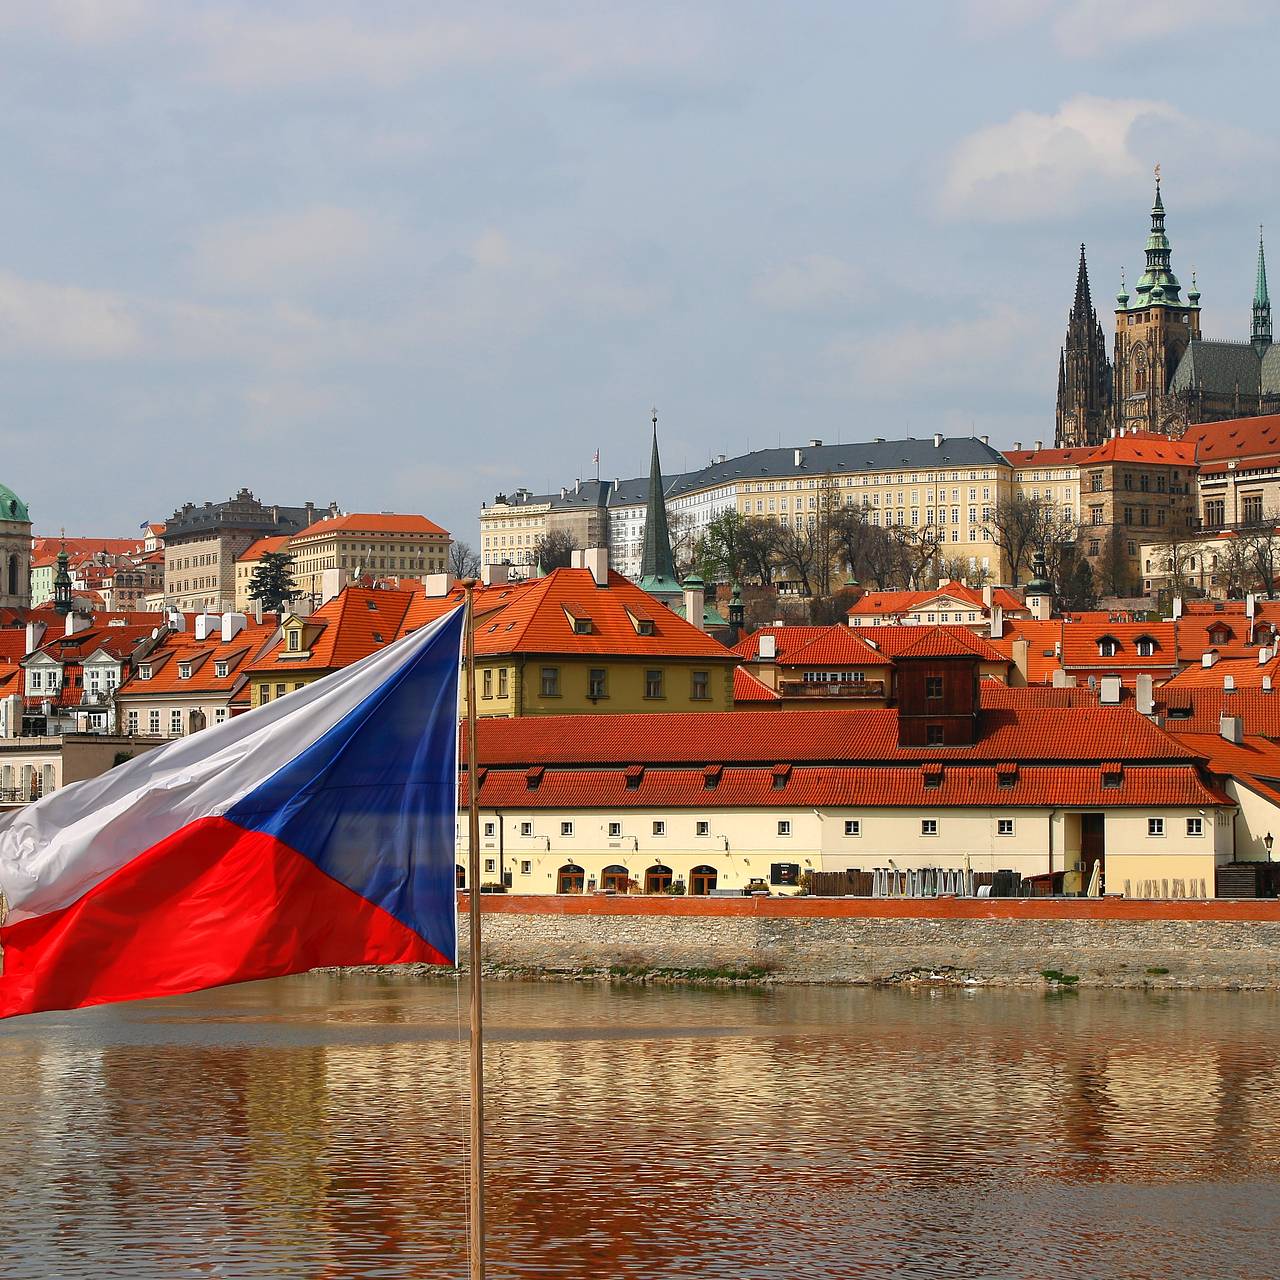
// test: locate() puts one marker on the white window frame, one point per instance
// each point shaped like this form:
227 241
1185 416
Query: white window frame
1195 827
784 826
853 826
929 827
615 831
526 828
1004 827
1155 828
659 827
702 827
490 829
566 829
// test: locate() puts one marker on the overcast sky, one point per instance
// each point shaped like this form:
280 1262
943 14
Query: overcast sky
405 255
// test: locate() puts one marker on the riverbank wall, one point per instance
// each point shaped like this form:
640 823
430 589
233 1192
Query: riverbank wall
1213 943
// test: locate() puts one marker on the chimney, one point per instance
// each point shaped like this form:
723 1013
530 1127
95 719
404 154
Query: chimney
997 622
257 612
1021 649
77 621
232 625
11 716
1231 728
597 560
1208 658
767 648
310 509
493 575
815 444
575 559
1109 691
1228 684
174 620
799 455
694 601
937 439
1145 701
988 597
437 585
1017 446
1266 684
1039 444
1177 608
1250 605
985 439
1059 677
1264 656
35 634
206 625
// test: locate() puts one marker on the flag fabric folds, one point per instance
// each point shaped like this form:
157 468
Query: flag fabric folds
315 830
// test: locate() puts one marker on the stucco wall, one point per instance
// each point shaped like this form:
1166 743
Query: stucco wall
1102 942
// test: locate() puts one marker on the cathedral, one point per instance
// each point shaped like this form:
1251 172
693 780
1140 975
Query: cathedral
1163 376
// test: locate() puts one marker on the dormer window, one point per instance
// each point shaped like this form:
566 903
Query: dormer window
644 626
1218 636
1108 647
184 671
221 669
582 626
144 671
293 640
1146 646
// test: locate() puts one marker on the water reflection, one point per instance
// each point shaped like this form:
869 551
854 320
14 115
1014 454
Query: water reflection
315 1127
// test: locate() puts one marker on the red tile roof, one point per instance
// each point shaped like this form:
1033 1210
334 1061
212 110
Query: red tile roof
994 694
952 643
1234 438
539 620
896 603
181 648
1144 446
1189 710
813 646
867 734
1048 457
1080 641
1255 761
1245 673
370 522
352 625
82 548
256 550
962 785
893 640
747 688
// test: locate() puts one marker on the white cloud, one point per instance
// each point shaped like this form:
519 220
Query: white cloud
1087 28
1001 346
39 318
1035 164
815 282
287 251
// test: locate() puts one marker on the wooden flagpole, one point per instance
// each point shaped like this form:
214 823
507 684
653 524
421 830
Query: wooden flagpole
477 1270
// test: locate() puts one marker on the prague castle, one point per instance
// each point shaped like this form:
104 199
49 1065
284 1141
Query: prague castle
1163 375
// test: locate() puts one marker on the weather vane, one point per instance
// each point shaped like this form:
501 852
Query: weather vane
1157 173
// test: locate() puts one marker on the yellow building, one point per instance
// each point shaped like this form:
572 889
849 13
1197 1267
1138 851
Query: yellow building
247 564
589 640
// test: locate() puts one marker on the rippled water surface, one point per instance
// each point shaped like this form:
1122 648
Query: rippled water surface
315 1127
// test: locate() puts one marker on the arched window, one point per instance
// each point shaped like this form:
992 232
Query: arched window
1146 646
657 879
6 781
615 878
702 880
1108 646
570 878
459 876
46 779
13 575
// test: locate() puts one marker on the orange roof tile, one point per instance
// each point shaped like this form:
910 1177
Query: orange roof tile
352 625
379 522
1234 438
813 646
1048 457
540 619
953 642
181 649
1144 446
256 550
748 688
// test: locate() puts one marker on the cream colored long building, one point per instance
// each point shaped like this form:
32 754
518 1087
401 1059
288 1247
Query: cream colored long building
950 485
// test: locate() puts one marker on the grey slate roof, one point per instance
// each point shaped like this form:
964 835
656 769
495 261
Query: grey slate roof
1222 368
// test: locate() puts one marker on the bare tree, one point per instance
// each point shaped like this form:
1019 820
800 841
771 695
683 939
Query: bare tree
464 562
883 561
920 546
1016 527
1259 541
800 549
1174 553
554 550
683 542
761 539
851 534
1237 567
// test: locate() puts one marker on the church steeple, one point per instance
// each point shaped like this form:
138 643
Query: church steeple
1084 373
657 565
1158 284
1261 335
62 599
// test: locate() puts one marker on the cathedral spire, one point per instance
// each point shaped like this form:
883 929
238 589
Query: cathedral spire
1084 373
1261 336
1158 285
657 566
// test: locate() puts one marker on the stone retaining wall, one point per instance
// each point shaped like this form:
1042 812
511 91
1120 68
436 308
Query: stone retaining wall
1099 943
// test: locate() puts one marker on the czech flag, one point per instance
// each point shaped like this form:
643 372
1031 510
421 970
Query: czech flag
315 830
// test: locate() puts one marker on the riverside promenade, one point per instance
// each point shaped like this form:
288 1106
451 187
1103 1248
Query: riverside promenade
1099 942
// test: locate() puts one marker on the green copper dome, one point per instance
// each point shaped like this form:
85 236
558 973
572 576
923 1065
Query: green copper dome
12 507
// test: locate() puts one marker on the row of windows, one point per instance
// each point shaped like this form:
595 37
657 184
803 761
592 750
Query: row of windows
179 720
264 691
655 683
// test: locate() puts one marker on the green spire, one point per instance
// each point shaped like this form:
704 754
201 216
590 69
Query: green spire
657 566
1261 336
1158 285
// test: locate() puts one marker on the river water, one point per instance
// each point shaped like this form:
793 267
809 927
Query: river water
315 1127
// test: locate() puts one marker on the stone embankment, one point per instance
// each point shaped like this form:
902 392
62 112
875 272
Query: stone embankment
1089 943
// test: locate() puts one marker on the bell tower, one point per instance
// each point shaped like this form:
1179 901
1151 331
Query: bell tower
1084 373
1153 329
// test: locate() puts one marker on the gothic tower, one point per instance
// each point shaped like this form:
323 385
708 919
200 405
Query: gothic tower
1153 329
1261 333
657 566
1084 373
